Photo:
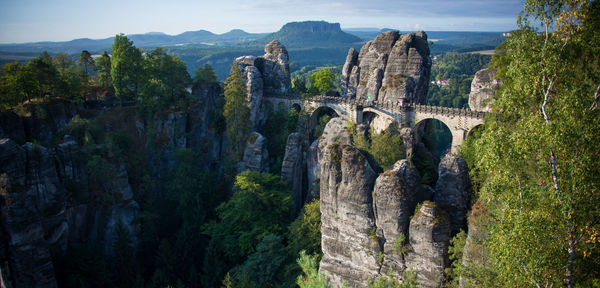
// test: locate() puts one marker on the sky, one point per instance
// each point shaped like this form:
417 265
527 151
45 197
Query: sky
62 20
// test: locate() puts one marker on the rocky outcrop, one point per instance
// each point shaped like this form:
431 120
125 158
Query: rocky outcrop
407 71
275 68
313 169
453 190
349 65
256 154
390 68
483 88
350 254
46 204
33 212
291 169
429 238
35 121
392 201
267 75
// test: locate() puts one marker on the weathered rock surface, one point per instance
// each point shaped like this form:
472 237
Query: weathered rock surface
453 191
255 154
291 169
408 69
351 61
483 88
429 238
33 212
392 68
392 201
349 254
40 122
275 68
267 75
313 169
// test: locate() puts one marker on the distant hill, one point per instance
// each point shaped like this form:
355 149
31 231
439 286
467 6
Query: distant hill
310 34
148 40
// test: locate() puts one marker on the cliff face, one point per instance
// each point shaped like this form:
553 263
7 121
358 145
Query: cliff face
392 68
349 252
267 75
53 194
365 216
483 88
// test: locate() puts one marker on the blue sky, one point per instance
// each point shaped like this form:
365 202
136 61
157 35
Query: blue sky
61 20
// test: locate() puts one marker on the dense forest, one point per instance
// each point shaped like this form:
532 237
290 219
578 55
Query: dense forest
533 164
458 70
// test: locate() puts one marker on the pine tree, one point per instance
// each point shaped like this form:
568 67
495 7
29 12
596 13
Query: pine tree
237 113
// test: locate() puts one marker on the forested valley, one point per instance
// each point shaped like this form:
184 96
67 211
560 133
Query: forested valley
201 222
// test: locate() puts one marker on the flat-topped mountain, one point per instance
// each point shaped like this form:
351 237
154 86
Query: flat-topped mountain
310 34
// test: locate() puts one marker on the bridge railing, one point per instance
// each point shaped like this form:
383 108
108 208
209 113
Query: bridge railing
398 107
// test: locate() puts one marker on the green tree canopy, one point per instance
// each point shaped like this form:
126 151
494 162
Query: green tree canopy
126 68
322 80
538 153
205 74
236 112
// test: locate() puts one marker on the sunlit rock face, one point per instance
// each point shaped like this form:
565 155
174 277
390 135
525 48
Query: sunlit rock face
393 67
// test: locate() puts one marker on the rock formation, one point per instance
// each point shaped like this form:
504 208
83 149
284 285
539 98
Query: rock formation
392 68
483 88
453 190
392 201
364 216
291 169
256 154
429 238
267 75
313 169
350 253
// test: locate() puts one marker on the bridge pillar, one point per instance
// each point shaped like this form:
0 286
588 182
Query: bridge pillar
358 118
457 139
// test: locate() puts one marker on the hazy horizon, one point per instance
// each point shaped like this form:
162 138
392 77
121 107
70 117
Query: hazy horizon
23 21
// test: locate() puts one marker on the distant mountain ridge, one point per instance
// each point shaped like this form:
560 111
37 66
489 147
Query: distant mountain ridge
309 34
147 40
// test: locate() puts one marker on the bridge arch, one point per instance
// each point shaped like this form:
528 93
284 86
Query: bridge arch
376 120
436 135
317 114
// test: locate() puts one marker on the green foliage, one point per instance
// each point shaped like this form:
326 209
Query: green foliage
400 246
323 120
537 155
409 280
85 131
126 68
205 75
322 81
278 127
387 147
259 206
124 270
165 82
100 169
304 233
18 83
236 112
103 67
265 266
310 277
458 69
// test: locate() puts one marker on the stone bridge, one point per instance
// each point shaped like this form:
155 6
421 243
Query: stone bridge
379 115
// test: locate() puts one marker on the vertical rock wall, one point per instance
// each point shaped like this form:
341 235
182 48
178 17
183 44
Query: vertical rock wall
390 68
